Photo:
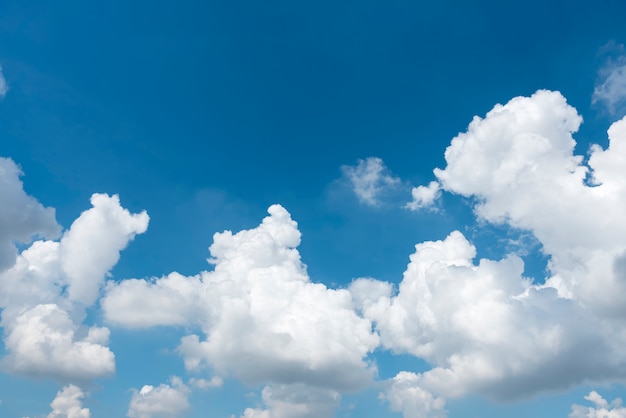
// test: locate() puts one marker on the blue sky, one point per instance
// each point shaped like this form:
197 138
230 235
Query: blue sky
445 234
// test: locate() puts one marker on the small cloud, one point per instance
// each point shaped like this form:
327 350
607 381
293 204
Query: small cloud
600 409
4 87
165 401
68 404
425 197
610 91
369 179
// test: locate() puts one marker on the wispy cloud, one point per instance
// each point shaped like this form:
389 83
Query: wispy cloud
370 179
4 87
610 90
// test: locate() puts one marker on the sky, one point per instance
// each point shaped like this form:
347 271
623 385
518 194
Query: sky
323 209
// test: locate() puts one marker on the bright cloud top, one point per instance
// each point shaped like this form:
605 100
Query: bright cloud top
369 179
68 404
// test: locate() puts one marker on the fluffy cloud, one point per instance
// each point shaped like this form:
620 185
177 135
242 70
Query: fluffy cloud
44 293
295 401
405 395
92 245
484 327
43 342
3 85
68 404
21 215
518 164
369 179
262 318
424 196
601 408
163 401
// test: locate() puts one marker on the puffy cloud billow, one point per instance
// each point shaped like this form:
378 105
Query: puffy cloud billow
45 289
261 317
484 327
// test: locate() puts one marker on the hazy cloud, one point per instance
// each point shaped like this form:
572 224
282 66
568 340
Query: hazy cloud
4 87
610 89
369 179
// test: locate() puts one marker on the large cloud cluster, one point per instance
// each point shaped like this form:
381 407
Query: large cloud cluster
45 290
483 326
262 319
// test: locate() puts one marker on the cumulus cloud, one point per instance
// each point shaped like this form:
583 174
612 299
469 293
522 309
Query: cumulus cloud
424 197
610 90
4 87
43 342
295 401
92 245
163 401
484 327
44 293
601 408
369 179
261 317
68 404
405 395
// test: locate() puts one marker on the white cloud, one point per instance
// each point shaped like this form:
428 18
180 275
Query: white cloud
610 90
68 404
369 179
601 408
163 401
4 87
92 245
43 342
424 196
483 327
295 401
45 290
262 318
21 215
405 395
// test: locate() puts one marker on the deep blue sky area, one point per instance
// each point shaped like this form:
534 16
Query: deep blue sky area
204 113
